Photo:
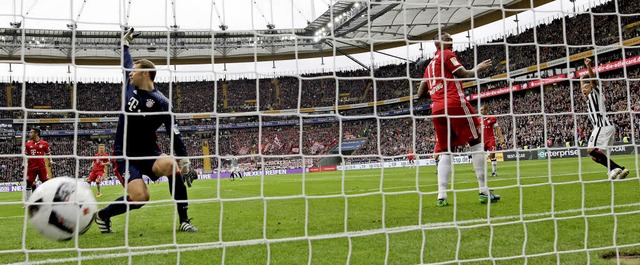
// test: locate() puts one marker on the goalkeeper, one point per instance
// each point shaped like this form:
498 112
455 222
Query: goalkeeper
139 132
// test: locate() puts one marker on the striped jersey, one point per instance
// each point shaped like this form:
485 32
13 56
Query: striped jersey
597 108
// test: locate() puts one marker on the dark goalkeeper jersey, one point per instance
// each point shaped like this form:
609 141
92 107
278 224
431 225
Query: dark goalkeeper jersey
140 130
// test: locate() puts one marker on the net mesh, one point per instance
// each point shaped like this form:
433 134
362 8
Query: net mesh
323 155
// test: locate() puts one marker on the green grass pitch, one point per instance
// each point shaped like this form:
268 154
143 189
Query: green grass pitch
552 211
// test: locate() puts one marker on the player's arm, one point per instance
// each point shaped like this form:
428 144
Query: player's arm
47 153
592 75
178 145
452 64
180 150
423 91
500 136
127 60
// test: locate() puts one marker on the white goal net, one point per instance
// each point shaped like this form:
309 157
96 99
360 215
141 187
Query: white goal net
311 147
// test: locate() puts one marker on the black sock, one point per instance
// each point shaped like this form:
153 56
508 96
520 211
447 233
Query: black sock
117 208
30 186
602 159
180 194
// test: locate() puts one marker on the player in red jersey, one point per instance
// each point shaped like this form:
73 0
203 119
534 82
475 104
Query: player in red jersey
98 168
411 158
453 118
36 166
489 124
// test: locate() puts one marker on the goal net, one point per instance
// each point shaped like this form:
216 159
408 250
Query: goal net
311 146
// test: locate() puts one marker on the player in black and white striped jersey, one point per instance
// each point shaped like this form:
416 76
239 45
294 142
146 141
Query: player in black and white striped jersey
603 132
235 169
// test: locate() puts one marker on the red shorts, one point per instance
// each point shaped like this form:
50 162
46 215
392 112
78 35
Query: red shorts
490 146
410 158
96 175
459 124
41 173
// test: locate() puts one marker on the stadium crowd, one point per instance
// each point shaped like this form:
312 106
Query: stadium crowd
552 116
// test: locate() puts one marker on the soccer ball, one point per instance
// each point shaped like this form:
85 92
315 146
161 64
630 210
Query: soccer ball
60 207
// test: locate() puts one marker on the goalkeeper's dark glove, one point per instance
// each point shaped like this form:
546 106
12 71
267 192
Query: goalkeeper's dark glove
129 36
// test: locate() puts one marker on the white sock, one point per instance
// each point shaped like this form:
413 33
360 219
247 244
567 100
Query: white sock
27 194
477 158
494 165
444 173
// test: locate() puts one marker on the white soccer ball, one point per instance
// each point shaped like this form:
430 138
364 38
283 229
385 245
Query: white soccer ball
60 207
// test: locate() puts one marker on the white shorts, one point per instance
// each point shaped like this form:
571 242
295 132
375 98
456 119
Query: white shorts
235 169
601 137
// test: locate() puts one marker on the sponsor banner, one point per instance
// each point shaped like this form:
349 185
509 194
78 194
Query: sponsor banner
499 157
348 145
9 184
495 92
111 182
561 153
404 163
609 66
605 49
11 188
632 42
323 169
6 128
518 155
557 61
547 81
632 25
518 72
580 56
556 79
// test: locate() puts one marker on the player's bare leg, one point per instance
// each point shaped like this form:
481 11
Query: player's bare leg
615 171
98 186
165 166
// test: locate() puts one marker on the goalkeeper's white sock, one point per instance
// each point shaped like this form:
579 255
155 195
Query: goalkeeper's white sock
494 165
477 158
27 194
444 174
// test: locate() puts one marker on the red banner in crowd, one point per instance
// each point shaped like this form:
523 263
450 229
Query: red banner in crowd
322 169
546 81
609 66
494 92
556 79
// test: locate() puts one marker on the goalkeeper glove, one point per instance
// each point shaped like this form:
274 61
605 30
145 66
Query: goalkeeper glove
129 36
187 172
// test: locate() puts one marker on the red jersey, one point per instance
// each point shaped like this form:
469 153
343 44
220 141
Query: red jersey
99 159
488 124
442 79
36 148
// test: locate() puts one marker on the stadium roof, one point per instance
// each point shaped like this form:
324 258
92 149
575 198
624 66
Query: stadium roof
348 26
